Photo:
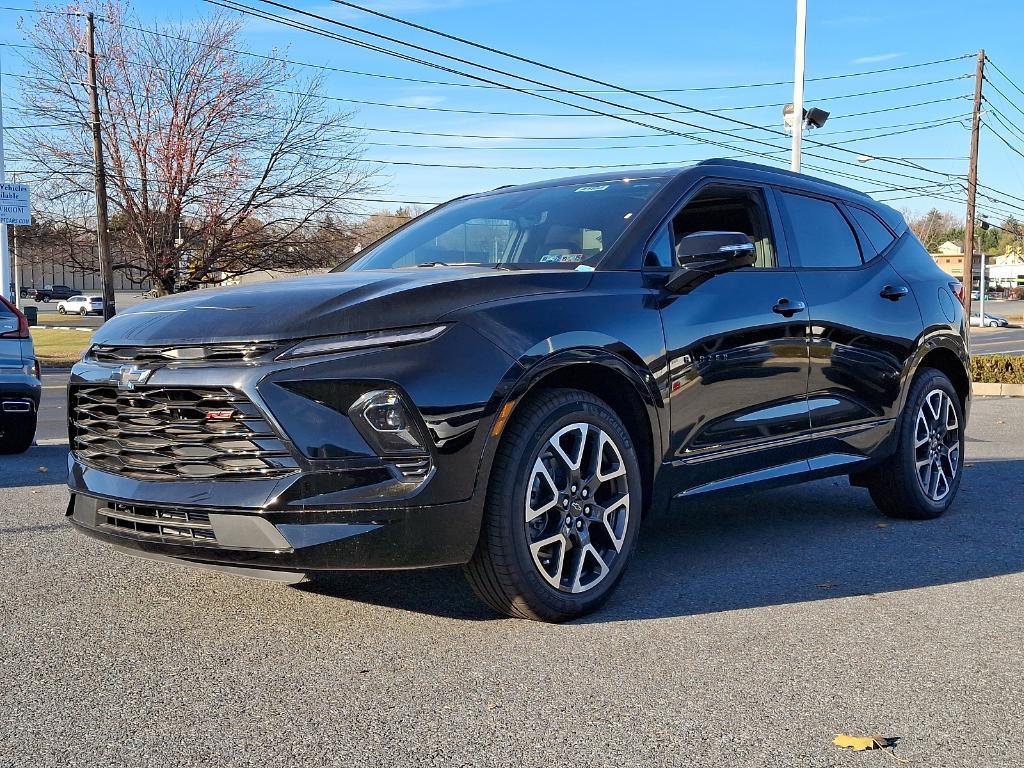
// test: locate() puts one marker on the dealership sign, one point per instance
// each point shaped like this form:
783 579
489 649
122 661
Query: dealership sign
14 204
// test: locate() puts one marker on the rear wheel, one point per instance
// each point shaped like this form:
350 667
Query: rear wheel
562 509
920 480
18 437
83 311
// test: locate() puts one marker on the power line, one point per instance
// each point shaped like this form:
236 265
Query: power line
286 21
500 52
694 89
426 108
1006 77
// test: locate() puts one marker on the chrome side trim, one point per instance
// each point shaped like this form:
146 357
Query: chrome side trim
805 437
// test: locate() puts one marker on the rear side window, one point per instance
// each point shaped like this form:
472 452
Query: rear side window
880 237
820 233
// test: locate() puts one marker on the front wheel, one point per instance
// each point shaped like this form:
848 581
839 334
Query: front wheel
61 310
920 480
562 509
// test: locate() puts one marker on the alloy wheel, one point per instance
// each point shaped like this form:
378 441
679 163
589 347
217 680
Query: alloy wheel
937 445
577 507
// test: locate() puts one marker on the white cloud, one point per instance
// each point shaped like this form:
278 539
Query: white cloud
880 57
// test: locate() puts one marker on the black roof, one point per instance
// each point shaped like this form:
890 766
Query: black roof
765 173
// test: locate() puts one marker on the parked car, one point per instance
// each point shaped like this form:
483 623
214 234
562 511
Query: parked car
51 292
991 321
20 386
26 292
81 305
514 379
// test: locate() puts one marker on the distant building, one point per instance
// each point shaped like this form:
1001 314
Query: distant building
950 259
1002 271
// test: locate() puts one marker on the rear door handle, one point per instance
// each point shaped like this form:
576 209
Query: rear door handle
894 292
788 308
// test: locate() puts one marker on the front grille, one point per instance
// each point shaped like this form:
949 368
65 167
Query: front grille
175 433
241 352
172 526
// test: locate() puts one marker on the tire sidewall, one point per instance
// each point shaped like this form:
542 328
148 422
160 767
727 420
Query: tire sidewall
541 428
929 382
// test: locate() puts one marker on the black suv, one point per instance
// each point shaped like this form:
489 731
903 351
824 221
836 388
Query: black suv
514 379
53 292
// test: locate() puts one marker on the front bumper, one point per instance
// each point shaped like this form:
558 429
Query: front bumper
404 537
337 506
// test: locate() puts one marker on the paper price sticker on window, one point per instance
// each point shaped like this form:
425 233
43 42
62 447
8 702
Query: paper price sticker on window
14 204
594 188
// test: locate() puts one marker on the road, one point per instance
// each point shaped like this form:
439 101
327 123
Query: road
747 632
1004 341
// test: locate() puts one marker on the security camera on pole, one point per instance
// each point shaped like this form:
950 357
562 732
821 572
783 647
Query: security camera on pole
794 117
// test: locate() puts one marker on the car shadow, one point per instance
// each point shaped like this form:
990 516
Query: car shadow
39 465
818 541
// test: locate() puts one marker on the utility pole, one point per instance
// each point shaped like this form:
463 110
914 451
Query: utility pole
102 234
972 186
798 83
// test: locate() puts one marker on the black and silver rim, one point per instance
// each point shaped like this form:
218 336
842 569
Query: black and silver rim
937 445
577 507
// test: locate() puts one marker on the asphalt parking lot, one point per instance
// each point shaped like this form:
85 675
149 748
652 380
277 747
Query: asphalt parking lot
747 632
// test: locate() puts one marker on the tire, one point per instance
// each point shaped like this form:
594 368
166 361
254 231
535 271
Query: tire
44 299
61 310
898 485
83 312
583 561
18 438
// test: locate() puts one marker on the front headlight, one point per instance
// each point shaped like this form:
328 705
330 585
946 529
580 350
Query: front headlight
351 341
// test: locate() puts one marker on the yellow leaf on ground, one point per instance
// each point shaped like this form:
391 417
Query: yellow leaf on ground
861 743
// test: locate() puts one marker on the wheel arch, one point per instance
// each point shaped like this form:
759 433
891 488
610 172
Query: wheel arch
629 392
945 352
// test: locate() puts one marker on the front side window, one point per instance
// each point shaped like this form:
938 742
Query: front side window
821 236
723 208
561 227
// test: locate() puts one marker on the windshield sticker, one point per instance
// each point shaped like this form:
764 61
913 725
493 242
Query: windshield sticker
595 188
584 268
561 258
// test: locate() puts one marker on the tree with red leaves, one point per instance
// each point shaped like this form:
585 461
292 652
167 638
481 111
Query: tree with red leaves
219 164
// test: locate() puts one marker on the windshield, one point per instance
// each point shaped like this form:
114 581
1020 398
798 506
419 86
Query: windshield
559 227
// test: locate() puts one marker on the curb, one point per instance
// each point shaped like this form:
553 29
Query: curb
997 390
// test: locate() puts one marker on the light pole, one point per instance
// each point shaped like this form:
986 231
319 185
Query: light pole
5 257
798 83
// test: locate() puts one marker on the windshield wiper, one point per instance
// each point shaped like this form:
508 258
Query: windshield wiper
453 264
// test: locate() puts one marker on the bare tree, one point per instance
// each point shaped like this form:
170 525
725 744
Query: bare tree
219 164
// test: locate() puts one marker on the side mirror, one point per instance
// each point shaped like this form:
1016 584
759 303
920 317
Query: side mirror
702 255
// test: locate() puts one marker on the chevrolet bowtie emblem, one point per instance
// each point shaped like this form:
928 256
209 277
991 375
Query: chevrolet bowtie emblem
130 376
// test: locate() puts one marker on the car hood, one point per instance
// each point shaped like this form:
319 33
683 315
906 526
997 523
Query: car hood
323 305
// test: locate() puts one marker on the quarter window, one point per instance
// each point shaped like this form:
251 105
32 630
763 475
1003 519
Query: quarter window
820 233
876 232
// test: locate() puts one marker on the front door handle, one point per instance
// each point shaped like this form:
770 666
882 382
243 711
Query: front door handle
788 308
894 292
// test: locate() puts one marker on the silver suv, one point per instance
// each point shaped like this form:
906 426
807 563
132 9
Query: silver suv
20 386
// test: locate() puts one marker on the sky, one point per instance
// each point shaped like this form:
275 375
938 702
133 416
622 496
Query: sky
645 45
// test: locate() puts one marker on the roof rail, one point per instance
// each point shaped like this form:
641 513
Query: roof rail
777 171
